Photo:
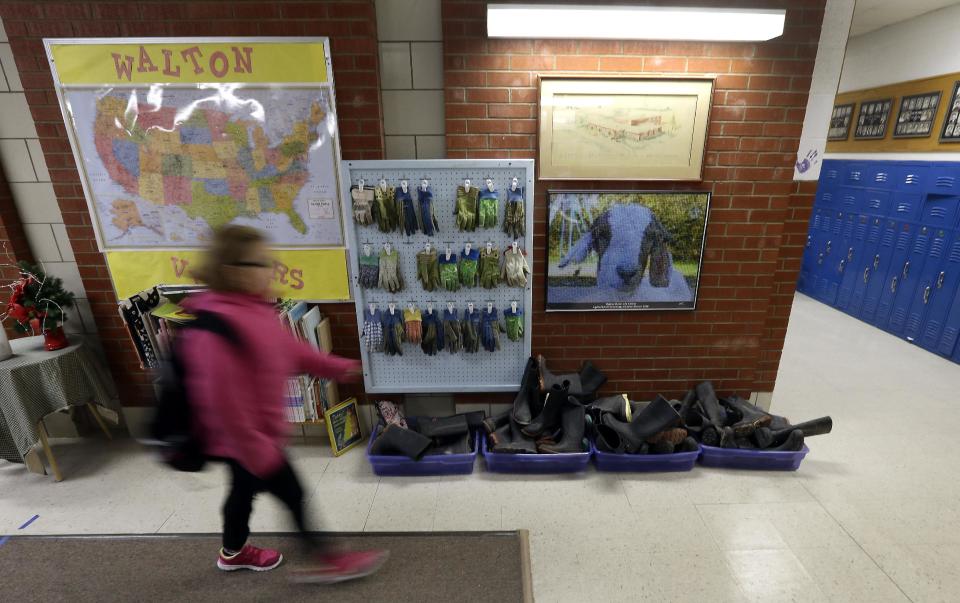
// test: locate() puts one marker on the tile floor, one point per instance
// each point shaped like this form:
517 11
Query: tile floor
872 514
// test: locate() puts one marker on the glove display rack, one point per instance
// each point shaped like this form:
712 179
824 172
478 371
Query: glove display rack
407 224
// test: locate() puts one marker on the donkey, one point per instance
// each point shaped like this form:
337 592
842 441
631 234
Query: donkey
629 238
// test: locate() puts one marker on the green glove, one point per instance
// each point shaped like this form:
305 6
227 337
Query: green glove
515 219
470 332
466 208
385 209
451 331
514 322
428 270
390 278
515 269
489 268
449 275
489 207
469 262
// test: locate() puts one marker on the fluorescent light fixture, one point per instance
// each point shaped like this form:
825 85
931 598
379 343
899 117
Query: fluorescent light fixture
552 21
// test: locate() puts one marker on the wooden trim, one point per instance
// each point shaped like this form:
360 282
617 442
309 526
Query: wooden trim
526 567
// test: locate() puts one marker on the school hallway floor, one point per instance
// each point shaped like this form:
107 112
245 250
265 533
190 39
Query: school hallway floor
870 516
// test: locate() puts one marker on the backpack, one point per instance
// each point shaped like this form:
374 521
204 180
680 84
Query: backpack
172 427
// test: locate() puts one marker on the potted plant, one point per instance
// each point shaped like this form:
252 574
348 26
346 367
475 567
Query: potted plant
37 303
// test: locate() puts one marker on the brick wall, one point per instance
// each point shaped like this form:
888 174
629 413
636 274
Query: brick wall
351 25
753 245
13 247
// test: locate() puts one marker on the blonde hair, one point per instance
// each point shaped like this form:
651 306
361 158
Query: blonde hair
231 244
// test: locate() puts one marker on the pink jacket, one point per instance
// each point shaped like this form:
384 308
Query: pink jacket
237 391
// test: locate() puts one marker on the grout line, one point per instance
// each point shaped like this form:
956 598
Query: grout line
172 513
33 166
372 502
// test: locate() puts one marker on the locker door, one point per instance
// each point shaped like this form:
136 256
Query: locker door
831 172
944 179
878 301
875 202
940 211
808 263
943 291
850 266
912 176
869 263
855 173
906 206
930 282
909 282
850 198
951 328
830 225
836 266
882 174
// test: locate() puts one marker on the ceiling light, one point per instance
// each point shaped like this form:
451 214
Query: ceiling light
551 21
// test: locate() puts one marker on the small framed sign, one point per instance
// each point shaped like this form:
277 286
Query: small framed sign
916 115
872 119
951 121
343 426
840 122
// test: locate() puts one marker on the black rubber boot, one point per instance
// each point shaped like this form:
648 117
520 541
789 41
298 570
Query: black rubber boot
654 418
767 438
492 424
608 440
549 419
573 426
674 435
591 380
396 440
711 405
728 439
686 405
458 444
520 443
688 445
662 447
793 442
750 417
529 390
618 406
570 381
443 427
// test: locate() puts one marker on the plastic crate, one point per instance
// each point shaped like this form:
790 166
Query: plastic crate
739 458
571 462
436 464
625 463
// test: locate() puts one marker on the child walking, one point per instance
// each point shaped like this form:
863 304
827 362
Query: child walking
236 392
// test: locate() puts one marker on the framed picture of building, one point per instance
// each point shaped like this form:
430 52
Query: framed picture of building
872 119
625 250
840 120
623 128
951 120
916 115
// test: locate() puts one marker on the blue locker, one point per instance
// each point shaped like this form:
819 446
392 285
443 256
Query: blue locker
826 197
869 262
932 279
928 240
849 198
856 249
878 301
855 173
805 281
906 206
951 328
875 202
882 174
831 172
831 222
943 289
944 179
912 177
841 252
939 211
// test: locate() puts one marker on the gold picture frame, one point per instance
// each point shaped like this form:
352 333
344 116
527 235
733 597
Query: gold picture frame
623 128
343 426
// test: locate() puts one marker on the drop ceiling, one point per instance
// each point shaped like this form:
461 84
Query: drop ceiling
870 15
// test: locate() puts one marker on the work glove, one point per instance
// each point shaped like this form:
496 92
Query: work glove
470 331
489 205
515 268
466 208
427 217
490 330
369 271
514 321
451 331
390 278
514 218
410 224
449 274
385 209
413 325
362 206
373 331
432 334
428 270
392 334
489 268
469 262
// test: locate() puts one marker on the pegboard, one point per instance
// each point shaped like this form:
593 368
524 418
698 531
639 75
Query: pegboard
415 371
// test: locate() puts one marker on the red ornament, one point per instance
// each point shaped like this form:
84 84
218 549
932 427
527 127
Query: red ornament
17 312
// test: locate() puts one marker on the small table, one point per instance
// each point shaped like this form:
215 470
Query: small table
35 383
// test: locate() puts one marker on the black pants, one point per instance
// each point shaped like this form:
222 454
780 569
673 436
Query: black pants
244 486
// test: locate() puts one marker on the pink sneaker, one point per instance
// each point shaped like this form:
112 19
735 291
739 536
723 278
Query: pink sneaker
340 567
251 558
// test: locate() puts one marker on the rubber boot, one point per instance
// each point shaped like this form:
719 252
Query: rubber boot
711 405
662 447
688 445
520 443
457 444
618 406
492 424
443 427
766 437
654 418
523 403
573 426
591 380
396 440
674 435
750 417
728 439
687 403
500 439
571 381
793 442
608 440
549 419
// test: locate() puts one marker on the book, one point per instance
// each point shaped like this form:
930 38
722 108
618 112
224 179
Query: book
325 336
172 312
295 315
308 326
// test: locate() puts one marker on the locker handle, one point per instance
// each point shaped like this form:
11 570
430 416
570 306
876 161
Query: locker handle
843 264
940 280
819 259
926 294
906 268
829 244
850 254
876 261
893 285
866 274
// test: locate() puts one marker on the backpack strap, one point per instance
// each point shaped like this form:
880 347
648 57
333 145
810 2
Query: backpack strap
215 323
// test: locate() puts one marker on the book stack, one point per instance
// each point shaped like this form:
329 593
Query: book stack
154 316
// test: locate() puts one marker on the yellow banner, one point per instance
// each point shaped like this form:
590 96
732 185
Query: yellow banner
172 63
313 274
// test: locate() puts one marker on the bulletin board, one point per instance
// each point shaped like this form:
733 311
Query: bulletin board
415 371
